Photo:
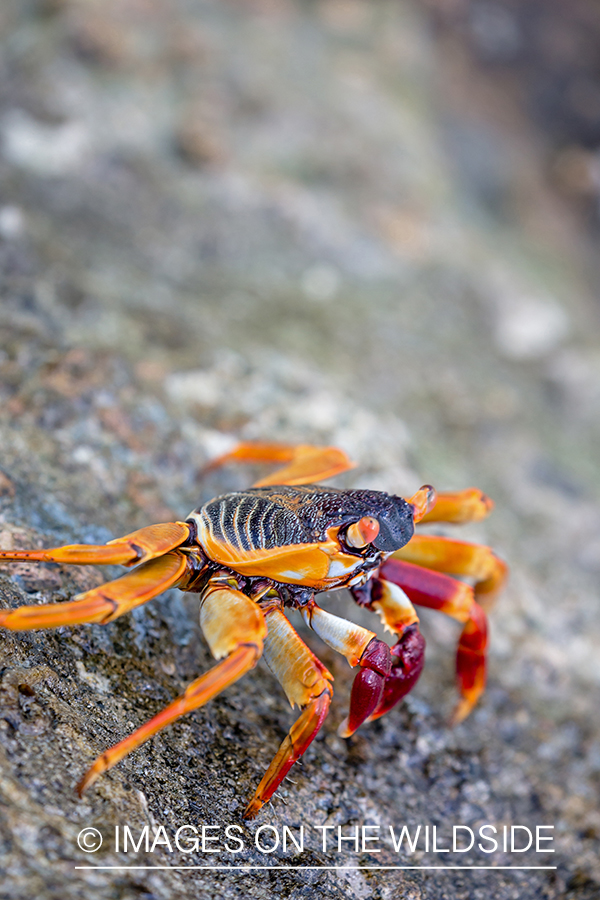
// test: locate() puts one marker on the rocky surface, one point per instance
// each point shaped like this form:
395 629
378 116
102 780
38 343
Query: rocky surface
225 220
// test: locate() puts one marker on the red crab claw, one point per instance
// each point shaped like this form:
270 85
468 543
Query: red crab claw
368 686
408 656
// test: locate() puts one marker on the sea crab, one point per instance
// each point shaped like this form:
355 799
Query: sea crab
252 554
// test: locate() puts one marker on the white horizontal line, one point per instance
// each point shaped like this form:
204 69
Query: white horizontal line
247 868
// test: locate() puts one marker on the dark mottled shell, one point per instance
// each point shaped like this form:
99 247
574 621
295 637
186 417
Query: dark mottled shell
268 517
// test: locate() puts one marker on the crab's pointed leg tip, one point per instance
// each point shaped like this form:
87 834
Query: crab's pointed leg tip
488 503
252 809
460 713
80 788
84 783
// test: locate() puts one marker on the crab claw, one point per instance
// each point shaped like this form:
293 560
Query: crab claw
368 686
408 656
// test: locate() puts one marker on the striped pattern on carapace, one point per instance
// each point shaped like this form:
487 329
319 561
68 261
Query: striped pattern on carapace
271 517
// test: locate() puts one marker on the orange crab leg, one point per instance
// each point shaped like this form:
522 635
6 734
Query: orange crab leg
139 546
305 464
197 694
235 629
469 505
297 741
456 599
104 603
457 558
307 683
470 662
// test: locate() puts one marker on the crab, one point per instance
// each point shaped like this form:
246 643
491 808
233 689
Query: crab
252 554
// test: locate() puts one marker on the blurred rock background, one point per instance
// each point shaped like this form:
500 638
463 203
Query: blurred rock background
366 223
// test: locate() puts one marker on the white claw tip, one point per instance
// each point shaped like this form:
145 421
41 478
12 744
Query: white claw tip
343 731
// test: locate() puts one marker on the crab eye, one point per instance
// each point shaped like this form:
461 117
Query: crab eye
363 532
